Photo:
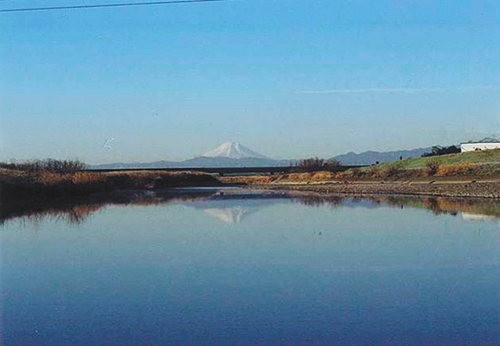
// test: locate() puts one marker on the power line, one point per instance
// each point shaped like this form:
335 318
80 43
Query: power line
79 7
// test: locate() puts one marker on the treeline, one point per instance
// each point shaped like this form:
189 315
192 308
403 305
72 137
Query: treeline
439 150
48 165
317 164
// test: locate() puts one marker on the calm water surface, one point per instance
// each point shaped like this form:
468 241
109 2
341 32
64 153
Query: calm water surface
253 269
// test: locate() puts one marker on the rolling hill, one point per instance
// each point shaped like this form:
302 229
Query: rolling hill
371 157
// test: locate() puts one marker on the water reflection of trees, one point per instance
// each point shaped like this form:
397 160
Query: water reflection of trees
438 205
75 215
445 205
319 201
77 211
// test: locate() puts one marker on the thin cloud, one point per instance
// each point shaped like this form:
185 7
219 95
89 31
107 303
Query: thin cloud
393 90
107 144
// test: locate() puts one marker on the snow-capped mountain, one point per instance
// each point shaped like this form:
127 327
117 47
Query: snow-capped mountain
233 150
229 154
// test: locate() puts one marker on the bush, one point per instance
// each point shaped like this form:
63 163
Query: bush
393 170
432 167
353 173
357 173
48 165
317 164
374 172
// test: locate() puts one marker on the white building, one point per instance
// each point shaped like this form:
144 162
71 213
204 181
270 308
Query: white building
485 144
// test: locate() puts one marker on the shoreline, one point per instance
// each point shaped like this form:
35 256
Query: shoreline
77 209
469 189
477 199
17 187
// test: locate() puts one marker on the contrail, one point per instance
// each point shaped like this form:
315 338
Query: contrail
391 90
107 144
79 7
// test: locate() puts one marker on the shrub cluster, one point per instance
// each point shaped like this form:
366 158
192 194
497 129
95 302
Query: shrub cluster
353 173
317 164
48 165
397 171
393 170
431 168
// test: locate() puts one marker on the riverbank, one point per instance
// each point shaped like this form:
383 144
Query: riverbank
456 188
15 184
21 185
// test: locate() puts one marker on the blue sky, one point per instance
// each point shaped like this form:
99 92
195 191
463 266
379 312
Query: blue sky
289 79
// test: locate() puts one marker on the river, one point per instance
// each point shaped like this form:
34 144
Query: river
238 267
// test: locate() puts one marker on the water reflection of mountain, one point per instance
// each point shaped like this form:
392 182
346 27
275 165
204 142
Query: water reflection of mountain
234 206
229 215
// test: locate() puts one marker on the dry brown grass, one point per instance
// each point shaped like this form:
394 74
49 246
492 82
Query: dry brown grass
248 179
85 177
397 172
16 183
282 178
322 176
150 174
47 165
459 169
390 172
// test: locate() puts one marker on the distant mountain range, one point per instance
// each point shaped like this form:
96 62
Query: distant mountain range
232 154
229 154
371 157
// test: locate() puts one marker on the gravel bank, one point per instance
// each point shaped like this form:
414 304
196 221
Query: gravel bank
450 189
